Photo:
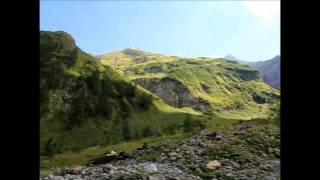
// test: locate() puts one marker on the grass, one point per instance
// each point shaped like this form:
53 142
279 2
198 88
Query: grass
229 95
69 159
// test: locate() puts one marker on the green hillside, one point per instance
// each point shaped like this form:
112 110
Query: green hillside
210 86
84 103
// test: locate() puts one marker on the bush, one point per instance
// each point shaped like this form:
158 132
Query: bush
51 147
187 124
147 131
126 132
144 101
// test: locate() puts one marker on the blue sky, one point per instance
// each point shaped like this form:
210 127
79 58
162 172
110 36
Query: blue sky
249 30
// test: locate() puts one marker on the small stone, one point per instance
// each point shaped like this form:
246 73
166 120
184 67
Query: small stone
264 155
270 150
173 158
218 137
270 178
200 152
113 152
188 152
108 166
111 172
264 167
151 168
214 164
153 178
275 167
173 154
235 165
56 178
162 158
229 175
201 144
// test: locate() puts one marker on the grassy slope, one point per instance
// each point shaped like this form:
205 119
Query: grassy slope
81 157
94 129
230 96
158 116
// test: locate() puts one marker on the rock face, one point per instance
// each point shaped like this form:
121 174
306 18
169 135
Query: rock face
173 92
248 75
153 69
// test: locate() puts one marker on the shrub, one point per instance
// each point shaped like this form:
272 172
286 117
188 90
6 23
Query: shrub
147 131
187 124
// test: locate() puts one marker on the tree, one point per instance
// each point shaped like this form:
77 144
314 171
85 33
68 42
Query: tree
187 124
51 147
126 132
147 131
144 101
94 83
171 129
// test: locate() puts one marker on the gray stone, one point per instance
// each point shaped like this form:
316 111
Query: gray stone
276 166
56 178
153 178
270 150
151 168
270 178
235 165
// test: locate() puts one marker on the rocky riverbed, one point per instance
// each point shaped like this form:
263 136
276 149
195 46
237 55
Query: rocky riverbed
245 152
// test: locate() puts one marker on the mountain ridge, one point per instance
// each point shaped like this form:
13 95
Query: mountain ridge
153 67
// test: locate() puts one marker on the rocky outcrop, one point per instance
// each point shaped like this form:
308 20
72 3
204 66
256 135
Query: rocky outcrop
153 69
173 92
247 75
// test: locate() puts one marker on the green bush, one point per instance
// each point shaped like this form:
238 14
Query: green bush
147 131
187 124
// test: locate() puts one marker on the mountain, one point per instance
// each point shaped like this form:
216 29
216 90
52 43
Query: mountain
270 71
91 105
231 58
85 103
210 86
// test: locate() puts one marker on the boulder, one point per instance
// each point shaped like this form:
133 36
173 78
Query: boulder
214 164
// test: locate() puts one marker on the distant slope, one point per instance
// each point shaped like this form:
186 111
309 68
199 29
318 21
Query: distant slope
212 86
270 71
85 103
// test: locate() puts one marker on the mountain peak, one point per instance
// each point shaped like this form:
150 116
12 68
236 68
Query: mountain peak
276 57
231 57
133 51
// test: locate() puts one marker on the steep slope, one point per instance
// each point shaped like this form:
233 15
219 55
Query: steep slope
212 86
84 103
270 71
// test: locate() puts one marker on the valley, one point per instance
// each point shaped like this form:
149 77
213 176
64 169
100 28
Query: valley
122 100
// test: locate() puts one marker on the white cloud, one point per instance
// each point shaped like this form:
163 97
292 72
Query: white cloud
266 10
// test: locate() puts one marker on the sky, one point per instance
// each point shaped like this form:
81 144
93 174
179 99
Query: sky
246 29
